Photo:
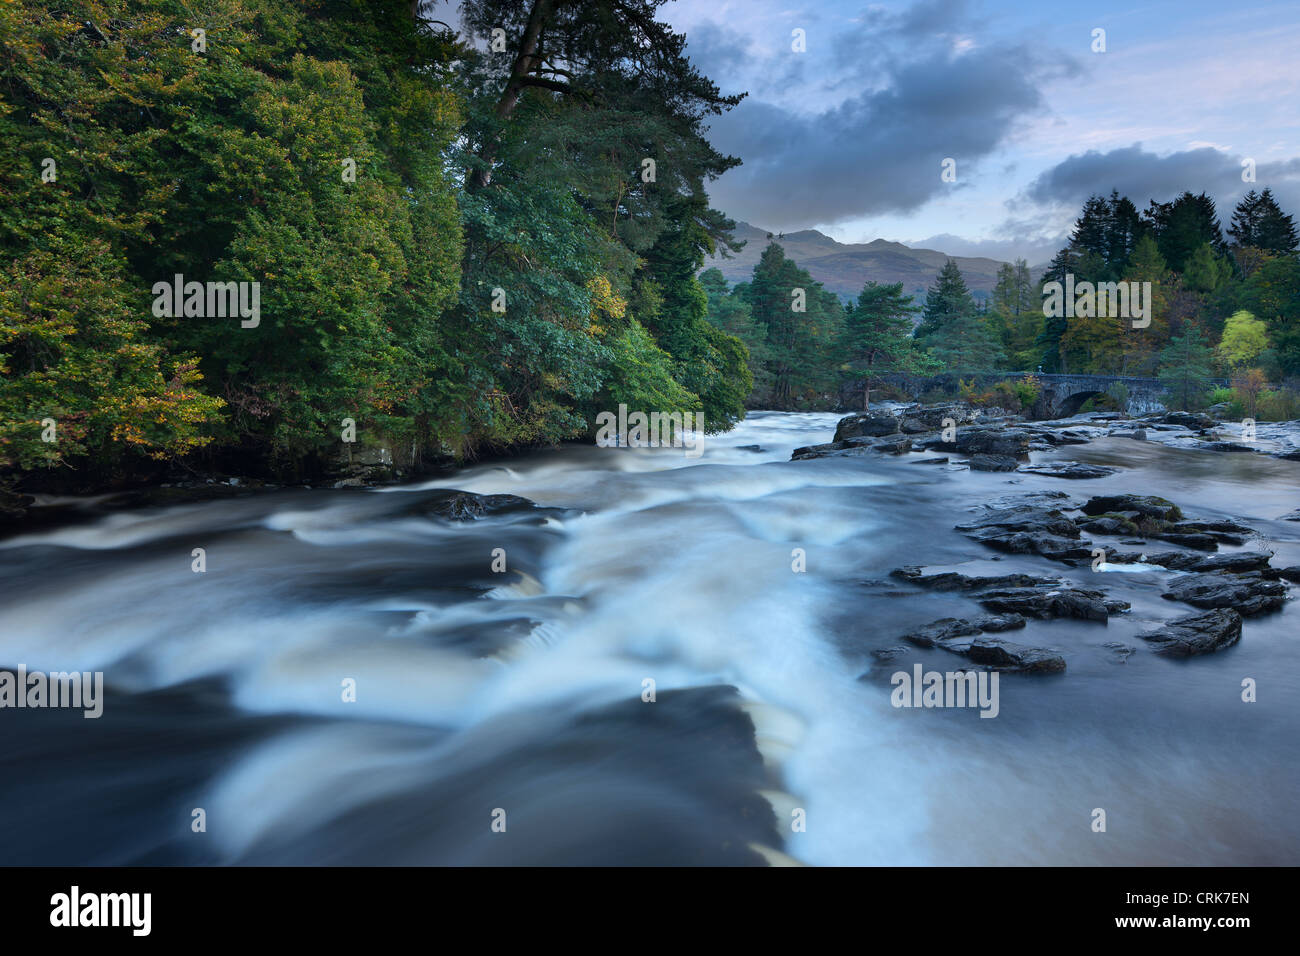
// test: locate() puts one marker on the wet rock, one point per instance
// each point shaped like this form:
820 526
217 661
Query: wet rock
866 425
894 444
995 624
1239 563
1107 524
933 418
1190 420
1226 446
995 440
992 463
1069 469
1120 652
1197 634
1043 603
1005 656
467 506
1290 574
1290 516
940 631
754 448
1248 594
1027 530
953 581
1201 542
1146 505
1224 532
929 461
888 655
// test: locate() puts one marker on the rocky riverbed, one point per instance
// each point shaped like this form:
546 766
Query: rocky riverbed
1127 529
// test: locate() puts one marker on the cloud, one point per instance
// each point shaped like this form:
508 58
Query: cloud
1143 175
1034 249
879 151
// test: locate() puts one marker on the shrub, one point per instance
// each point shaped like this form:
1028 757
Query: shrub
1278 405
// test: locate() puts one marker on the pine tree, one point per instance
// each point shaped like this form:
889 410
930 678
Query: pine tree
1185 367
1052 338
1183 225
877 333
945 302
1275 230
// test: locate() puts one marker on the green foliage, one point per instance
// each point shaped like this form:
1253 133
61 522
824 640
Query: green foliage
877 335
1118 392
1244 339
799 347
1185 368
474 175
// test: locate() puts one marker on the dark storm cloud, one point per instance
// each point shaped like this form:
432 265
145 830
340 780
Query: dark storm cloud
879 151
1142 176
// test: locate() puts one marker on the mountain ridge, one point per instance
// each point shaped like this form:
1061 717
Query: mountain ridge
844 267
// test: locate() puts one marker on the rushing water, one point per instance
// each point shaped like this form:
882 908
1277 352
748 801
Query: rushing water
522 691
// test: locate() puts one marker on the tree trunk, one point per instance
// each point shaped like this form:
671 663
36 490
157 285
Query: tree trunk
524 64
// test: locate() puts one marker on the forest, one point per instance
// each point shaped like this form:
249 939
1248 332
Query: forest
467 241
462 240
1225 306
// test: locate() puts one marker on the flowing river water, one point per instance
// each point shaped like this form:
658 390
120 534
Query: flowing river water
518 696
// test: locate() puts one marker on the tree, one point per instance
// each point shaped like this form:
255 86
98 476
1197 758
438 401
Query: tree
1140 346
1183 225
1185 368
1244 339
803 322
1273 295
1051 339
1017 314
877 333
1248 383
1258 221
947 301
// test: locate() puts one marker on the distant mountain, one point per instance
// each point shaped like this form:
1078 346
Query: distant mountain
844 268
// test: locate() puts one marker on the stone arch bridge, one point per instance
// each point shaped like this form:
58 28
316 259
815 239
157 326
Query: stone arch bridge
1063 395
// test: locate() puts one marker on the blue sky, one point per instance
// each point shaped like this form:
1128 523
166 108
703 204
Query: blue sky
848 137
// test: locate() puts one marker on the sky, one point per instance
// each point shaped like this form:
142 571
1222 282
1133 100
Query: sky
850 135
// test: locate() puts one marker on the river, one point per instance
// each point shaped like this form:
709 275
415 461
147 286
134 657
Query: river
502 717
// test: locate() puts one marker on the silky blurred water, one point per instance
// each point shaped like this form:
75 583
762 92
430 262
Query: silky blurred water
479 692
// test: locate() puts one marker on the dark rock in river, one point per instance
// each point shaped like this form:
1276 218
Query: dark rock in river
1238 563
1196 422
1201 542
1120 651
952 581
1027 530
1248 594
895 444
1005 656
1224 446
992 440
1107 524
1197 634
992 463
1147 505
1069 469
1086 605
467 506
940 631
867 424
999 623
